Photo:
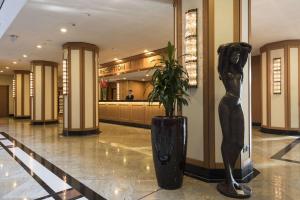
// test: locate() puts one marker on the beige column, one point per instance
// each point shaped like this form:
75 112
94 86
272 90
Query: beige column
21 94
43 92
219 22
280 63
80 79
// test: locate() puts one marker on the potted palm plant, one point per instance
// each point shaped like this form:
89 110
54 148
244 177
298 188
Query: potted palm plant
169 133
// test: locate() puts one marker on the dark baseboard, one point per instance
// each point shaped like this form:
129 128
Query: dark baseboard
44 122
256 124
280 132
22 117
126 123
81 132
244 175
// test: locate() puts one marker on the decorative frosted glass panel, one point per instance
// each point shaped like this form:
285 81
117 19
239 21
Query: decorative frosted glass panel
191 45
277 76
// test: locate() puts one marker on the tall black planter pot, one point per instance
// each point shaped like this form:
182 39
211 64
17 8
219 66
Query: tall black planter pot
169 143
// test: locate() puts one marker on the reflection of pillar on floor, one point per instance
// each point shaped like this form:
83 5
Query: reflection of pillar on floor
43 92
80 88
21 94
220 22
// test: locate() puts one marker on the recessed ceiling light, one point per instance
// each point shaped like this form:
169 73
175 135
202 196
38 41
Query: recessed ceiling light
14 62
115 59
63 30
39 46
6 67
1 71
147 75
25 56
124 78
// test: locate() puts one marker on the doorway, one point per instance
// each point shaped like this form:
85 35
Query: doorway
4 99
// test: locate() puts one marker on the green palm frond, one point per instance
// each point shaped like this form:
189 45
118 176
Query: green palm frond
170 83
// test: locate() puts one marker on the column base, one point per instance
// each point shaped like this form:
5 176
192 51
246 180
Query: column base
22 117
279 131
81 132
217 175
37 122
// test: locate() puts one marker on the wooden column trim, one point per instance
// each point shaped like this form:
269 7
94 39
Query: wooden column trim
82 88
34 93
52 92
43 93
268 90
22 95
69 114
287 86
236 21
94 87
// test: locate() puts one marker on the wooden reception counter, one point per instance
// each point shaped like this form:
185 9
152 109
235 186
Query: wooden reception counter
135 113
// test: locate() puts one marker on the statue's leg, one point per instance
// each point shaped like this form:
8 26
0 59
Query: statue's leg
237 131
225 115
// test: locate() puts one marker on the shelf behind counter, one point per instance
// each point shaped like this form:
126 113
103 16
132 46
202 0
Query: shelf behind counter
133 113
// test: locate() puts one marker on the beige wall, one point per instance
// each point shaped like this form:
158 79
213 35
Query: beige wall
7 80
194 111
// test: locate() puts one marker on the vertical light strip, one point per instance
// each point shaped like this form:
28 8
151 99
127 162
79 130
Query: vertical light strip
65 77
191 46
14 88
31 84
118 91
277 76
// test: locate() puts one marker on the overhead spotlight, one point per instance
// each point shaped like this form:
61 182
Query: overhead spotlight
1 71
39 46
147 75
63 30
6 67
14 62
25 56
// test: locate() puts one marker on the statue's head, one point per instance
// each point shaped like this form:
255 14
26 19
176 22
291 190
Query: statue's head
233 54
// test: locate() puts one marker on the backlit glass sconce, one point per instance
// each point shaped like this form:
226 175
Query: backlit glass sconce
31 85
14 88
118 91
65 77
191 46
277 76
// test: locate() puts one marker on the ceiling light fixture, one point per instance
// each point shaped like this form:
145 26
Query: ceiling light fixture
63 30
124 78
1 71
14 62
147 75
39 46
25 56
115 59
6 67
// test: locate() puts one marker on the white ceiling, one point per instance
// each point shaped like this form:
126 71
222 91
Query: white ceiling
274 20
120 28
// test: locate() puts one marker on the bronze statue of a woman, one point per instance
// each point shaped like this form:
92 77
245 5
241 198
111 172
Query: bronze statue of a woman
232 58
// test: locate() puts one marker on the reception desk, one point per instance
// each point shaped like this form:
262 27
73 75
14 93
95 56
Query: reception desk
135 113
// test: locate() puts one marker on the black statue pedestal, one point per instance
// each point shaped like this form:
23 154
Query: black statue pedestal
232 58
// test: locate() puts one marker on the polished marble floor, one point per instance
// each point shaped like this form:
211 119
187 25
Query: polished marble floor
118 165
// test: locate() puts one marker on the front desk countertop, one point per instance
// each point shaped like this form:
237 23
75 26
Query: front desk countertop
134 113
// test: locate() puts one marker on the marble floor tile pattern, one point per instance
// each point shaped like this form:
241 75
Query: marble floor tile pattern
117 164
15 182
